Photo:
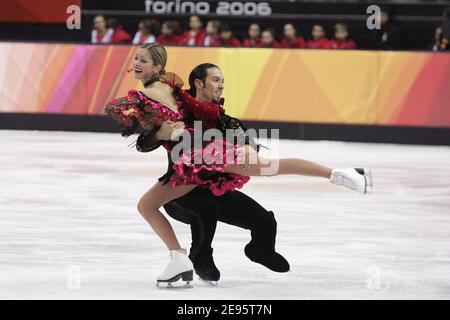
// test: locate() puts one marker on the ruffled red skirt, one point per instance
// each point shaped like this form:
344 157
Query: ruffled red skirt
206 167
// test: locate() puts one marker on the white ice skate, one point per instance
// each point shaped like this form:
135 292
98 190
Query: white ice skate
180 267
353 178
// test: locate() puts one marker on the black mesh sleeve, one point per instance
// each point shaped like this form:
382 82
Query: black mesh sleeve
228 122
146 142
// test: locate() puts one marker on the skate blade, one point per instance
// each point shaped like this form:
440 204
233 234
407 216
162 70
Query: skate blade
369 182
169 285
184 276
209 282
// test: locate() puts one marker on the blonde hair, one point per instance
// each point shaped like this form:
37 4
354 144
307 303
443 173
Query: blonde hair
159 57
158 54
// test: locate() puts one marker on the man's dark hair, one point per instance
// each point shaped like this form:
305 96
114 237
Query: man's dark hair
199 72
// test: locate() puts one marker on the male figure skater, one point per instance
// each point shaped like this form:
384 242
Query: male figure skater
201 209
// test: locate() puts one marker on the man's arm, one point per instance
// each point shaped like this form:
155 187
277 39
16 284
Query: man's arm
240 130
147 141
152 139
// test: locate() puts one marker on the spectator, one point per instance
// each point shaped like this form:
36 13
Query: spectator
254 37
212 33
170 33
387 37
119 35
440 42
290 39
195 35
101 33
319 39
341 39
226 38
146 33
268 39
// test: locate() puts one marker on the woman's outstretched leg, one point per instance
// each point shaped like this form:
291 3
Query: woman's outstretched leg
254 165
353 178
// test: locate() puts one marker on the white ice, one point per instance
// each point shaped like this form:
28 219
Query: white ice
69 227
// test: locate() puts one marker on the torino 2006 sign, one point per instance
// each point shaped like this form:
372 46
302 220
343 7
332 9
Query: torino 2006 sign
235 8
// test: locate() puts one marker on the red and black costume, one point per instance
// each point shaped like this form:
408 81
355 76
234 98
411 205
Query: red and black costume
150 114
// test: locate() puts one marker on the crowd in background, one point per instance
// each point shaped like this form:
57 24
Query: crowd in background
219 34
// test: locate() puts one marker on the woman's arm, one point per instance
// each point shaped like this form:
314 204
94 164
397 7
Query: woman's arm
130 112
119 110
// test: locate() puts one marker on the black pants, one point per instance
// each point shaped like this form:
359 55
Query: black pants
201 209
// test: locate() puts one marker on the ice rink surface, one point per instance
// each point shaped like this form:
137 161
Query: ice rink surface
69 227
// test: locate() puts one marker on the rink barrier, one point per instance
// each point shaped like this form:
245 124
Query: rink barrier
303 131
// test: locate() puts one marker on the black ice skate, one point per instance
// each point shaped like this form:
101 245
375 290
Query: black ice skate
205 267
268 258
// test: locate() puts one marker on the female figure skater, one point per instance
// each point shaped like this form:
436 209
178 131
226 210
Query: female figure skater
163 100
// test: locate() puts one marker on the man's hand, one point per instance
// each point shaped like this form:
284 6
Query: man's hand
128 112
168 128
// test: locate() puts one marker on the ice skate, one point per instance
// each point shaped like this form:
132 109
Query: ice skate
267 257
205 267
357 179
209 282
180 267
